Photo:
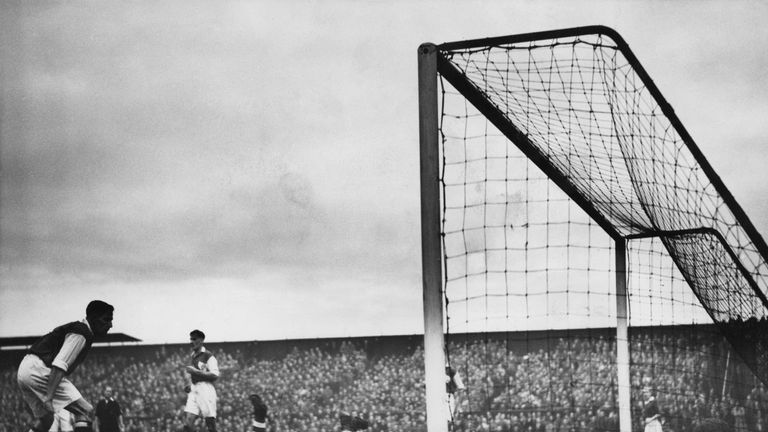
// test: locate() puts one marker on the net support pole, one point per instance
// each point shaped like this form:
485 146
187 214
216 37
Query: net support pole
622 338
431 259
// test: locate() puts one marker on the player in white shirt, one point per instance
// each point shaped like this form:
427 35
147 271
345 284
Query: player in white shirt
201 394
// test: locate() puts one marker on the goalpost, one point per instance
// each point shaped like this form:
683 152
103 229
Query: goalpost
582 261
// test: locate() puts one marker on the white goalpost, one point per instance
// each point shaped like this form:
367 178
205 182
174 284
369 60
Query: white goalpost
583 264
434 343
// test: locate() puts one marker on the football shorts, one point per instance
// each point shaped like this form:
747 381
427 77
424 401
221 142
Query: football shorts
33 381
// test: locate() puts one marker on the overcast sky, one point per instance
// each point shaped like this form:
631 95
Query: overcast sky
251 168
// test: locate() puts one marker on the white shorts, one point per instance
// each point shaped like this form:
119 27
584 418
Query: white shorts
653 426
201 400
62 422
33 382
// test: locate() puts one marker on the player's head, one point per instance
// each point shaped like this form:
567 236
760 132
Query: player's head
99 316
196 338
605 408
647 386
255 399
108 392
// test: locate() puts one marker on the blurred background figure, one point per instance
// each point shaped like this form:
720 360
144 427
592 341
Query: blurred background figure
109 414
259 413
352 423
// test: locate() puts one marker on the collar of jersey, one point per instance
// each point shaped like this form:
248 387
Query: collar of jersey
87 324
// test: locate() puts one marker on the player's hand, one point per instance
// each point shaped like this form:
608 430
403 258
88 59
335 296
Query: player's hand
190 369
48 402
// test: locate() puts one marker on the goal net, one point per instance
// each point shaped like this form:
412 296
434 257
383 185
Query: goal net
584 266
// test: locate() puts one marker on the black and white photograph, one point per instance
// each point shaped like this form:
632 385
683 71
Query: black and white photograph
391 216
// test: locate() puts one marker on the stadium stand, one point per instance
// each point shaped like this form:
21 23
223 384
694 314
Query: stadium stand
307 383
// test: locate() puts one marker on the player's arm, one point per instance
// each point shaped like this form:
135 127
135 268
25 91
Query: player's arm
187 381
459 383
73 344
53 382
120 417
650 419
204 375
652 413
212 374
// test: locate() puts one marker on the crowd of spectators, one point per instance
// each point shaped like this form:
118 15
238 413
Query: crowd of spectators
563 384
570 384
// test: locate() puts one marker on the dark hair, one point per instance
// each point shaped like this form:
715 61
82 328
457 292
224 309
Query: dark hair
197 334
97 309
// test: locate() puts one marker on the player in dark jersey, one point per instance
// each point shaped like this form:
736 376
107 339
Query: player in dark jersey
453 386
201 396
651 412
259 413
43 372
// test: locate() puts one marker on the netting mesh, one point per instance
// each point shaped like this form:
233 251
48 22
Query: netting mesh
529 269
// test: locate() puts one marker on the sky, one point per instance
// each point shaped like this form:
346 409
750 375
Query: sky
252 168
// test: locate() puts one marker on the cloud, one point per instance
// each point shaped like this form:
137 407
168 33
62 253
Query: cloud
178 146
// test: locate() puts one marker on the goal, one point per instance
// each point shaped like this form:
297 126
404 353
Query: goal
584 267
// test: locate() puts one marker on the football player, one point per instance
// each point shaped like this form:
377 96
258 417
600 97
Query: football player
259 413
201 395
43 372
